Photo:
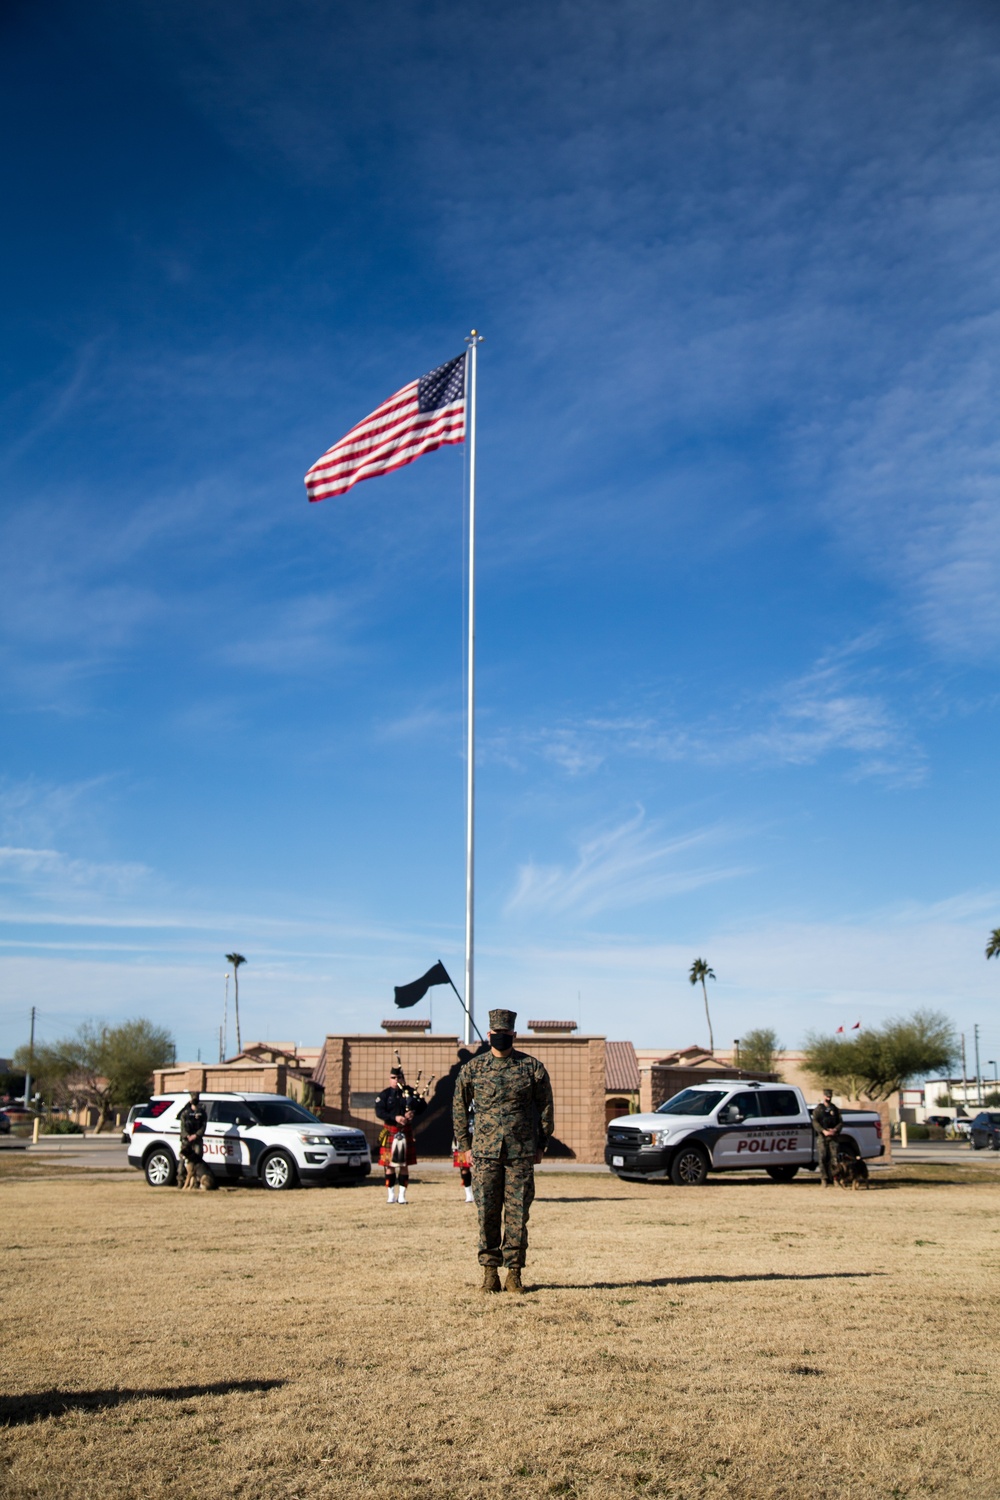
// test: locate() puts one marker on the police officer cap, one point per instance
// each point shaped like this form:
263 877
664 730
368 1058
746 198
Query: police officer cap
502 1020
828 1093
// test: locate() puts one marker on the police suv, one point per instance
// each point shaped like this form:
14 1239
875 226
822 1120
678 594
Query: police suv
264 1137
727 1126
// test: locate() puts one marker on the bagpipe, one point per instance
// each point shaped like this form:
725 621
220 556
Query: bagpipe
412 1093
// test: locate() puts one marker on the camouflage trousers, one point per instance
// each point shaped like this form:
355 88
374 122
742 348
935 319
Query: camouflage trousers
503 1189
826 1156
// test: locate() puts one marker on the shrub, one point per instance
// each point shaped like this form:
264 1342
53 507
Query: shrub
60 1127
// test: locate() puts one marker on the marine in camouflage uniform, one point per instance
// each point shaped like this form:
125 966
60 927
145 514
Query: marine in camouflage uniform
193 1120
827 1123
512 1097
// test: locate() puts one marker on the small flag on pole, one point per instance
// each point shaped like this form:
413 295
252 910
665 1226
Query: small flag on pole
426 414
856 1026
839 1030
412 994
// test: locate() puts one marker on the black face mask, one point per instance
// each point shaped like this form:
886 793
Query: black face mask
501 1040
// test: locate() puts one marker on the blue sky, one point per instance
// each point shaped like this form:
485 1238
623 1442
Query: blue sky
739 544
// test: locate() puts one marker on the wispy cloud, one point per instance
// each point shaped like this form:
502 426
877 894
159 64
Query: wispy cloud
914 489
296 636
831 710
624 866
53 873
37 811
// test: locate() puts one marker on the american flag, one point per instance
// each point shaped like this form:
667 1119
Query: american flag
424 415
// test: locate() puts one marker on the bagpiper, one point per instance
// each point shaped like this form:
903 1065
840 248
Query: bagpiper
397 1107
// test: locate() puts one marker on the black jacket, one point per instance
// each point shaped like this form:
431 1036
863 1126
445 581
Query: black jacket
193 1119
826 1117
392 1102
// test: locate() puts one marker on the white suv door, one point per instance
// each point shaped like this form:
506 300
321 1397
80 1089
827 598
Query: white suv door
226 1148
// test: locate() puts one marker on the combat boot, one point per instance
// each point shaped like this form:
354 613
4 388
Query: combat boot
491 1279
513 1282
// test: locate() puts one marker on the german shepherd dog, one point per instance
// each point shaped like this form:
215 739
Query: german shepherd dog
849 1170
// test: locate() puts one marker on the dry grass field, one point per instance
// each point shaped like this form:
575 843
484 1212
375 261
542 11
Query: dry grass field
740 1340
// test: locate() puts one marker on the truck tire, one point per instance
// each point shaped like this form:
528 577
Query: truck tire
277 1172
689 1167
160 1167
781 1174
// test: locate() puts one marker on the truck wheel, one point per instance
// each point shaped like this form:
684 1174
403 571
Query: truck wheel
689 1167
277 1172
160 1167
781 1174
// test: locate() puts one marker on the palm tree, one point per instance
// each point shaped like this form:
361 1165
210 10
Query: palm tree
993 946
236 959
700 970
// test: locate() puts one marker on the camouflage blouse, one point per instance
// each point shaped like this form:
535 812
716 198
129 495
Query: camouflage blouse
510 1094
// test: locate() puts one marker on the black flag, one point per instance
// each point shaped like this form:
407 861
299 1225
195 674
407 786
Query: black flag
412 994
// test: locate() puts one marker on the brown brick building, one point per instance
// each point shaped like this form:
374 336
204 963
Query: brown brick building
351 1070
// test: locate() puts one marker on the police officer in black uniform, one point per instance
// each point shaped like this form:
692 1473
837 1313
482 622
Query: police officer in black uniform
827 1122
193 1121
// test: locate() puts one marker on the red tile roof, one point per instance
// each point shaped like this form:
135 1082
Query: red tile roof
621 1068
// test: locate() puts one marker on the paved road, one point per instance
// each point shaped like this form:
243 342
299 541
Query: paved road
945 1152
102 1154
107 1154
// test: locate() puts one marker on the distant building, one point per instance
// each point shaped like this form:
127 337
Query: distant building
352 1069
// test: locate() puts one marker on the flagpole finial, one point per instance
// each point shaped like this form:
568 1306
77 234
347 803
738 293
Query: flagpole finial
475 337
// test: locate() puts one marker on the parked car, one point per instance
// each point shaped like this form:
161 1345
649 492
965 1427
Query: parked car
986 1131
4 1122
261 1137
962 1127
148 1107
943 1120
722 1126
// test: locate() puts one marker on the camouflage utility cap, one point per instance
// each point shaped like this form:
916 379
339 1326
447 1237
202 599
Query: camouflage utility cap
502 1020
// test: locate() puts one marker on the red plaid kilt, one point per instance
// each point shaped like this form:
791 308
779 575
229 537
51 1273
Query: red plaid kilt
386 1139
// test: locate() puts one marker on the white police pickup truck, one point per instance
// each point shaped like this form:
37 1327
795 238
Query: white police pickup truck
263 1137
724 1125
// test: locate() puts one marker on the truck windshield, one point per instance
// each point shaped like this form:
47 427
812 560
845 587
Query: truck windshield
281 1112
691 1102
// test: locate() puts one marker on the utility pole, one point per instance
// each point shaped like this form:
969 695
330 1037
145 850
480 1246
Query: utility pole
31 1061
979 1079
965 1077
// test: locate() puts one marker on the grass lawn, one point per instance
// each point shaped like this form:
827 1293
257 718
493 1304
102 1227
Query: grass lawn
740 1339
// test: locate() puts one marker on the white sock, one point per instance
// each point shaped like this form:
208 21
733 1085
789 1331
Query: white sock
469 1195
402 1194
392 1195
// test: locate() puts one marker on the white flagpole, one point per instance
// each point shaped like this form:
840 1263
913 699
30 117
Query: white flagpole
473 340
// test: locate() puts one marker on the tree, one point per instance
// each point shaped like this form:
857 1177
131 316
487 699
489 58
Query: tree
993 946
700 970
758 1048
101 1066
12 1084
878 1063
236 959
